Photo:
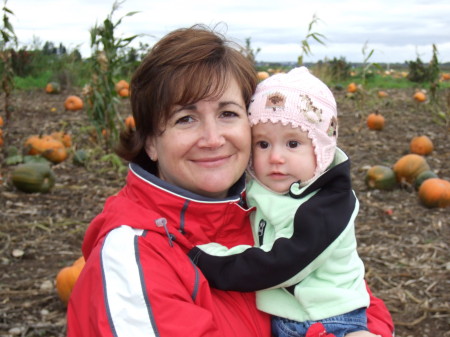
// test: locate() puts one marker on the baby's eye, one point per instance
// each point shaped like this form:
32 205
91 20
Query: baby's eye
293 144
262 144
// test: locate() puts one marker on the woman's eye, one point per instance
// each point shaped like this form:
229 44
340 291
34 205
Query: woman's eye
228 114
293 144
184 120
262 144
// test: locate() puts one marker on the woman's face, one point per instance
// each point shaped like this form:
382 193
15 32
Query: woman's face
205 146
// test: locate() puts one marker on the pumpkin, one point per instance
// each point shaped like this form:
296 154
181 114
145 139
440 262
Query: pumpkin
375 121
30 143
381 177
408 167
445 77
73 103
262 75
52 88
435 192
1 121
47 146
421 145
33 178
122 84
129 122
79 157
66 279
422 177
382 94
63 137
56 154
420 96
352 88
124 92
122 88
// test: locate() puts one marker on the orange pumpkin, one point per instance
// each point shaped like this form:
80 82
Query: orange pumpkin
435 192
122 84
408 167
66 279
375 121
382 94
124 92
1 121
421 145
73 103
262 75
129 122
63 137
352 88
52 88
445 76
47 146
56 154
420 96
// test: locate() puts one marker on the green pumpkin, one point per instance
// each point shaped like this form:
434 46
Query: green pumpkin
33 178
80 157
381 177
424 176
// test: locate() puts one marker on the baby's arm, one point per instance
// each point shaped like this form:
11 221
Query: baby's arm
288 260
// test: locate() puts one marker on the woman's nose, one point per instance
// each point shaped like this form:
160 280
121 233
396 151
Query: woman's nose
212 135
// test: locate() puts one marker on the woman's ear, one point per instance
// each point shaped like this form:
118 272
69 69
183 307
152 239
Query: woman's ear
150 148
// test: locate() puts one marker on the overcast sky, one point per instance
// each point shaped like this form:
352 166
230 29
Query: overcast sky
397 30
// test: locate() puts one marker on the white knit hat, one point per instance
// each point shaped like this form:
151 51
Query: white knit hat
302 100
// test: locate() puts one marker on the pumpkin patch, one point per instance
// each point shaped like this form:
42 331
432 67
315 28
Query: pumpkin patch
399 234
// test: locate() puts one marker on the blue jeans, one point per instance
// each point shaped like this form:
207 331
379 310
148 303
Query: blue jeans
338 325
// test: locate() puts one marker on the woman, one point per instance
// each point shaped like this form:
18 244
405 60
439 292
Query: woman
185 187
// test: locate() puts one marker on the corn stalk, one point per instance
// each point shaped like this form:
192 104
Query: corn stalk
306 48
108 61
7 38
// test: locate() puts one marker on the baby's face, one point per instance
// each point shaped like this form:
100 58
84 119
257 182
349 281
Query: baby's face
282 155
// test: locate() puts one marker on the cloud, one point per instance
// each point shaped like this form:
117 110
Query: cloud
397 30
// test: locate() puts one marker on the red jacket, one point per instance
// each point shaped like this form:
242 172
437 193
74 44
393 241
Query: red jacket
139 281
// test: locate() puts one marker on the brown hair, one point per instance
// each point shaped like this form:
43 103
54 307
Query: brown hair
185 66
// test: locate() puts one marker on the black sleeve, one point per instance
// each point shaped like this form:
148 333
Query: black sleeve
317 223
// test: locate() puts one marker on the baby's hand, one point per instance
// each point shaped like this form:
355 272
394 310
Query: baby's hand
361 333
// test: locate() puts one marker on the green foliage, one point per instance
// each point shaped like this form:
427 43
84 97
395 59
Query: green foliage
33 82
367 66
426 74
418 71
318 37
249 52
115 161
332 71
107 63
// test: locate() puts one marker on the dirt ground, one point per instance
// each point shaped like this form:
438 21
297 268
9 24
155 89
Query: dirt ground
404 245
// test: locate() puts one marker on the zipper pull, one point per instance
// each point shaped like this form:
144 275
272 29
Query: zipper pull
261 229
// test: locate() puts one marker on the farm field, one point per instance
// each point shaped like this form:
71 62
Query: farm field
404 245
